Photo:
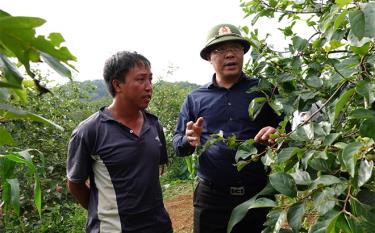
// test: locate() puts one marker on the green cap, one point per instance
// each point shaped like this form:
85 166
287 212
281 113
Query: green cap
222 33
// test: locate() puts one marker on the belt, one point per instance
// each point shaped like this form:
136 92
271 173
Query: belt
232 190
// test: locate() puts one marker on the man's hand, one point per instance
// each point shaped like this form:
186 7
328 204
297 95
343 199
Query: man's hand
263 136
194 131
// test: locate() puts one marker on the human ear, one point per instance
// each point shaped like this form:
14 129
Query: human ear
116 85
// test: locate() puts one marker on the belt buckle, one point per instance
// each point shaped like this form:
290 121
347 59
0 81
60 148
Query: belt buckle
237 191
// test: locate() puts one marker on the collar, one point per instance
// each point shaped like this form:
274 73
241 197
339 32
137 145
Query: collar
213 84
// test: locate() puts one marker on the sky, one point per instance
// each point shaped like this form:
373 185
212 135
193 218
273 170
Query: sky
170 33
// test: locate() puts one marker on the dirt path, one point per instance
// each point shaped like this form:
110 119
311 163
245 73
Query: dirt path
180 210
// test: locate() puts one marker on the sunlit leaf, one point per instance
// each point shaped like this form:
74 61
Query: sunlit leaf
38 196
349 155
255 107
339 20
5 137
342 3
301 177
365 171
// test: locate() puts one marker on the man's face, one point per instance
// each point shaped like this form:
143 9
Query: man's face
137 88
227 59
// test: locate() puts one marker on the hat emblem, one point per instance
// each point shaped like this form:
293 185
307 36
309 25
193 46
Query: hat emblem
223 30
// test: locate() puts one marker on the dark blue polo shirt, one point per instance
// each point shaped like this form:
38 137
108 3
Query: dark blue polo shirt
224 110
123 169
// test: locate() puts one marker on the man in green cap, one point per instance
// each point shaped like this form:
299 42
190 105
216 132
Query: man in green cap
221 106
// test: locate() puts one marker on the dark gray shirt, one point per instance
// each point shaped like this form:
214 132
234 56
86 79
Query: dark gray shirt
123 168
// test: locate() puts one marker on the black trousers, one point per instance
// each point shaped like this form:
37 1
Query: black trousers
213 208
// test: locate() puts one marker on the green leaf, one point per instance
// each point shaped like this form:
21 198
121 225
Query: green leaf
11 73
320 164
366 89
240 211
314 81
365 171
284 183
367 128
56 65
339 20
324 201
38 195
365 212
301 177
245 150
322 223
5 137
361 113
56 38
332 224
287 153
330 138
15 194
343 224
349 155
369 13
325 180
367 197
295 215
343 101
363 50
255 107
357 23
11 113
299 43
13 22
342 3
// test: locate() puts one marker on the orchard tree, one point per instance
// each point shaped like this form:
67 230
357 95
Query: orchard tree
20 48
323 169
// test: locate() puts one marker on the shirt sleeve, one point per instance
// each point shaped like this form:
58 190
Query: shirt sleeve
180 144
78 162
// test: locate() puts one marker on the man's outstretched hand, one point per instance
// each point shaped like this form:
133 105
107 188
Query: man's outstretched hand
194 131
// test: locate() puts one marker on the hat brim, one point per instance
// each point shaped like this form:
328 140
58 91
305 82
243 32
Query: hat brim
206 50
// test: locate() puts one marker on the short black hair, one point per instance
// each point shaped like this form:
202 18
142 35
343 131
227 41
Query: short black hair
118 66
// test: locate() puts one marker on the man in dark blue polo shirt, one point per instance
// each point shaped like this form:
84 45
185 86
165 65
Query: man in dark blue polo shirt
222 105
119 149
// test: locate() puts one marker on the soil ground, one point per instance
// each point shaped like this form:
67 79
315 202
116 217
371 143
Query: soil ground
180 210
178 201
